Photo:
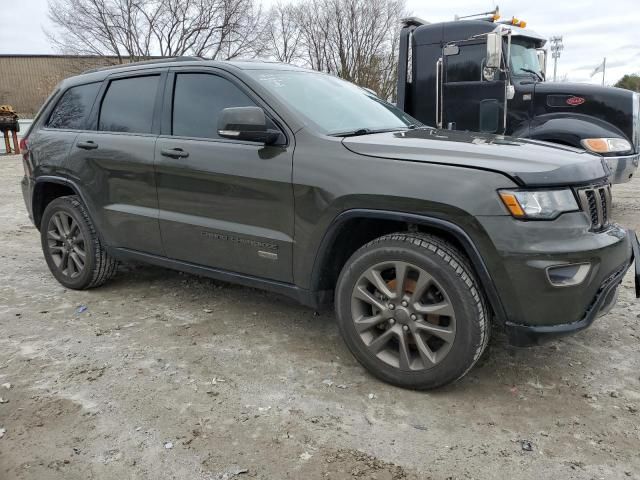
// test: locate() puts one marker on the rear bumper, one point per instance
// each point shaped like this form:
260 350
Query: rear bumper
27 194
622 168
603 301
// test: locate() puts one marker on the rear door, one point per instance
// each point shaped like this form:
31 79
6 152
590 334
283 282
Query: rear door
53 136
114 162
469 101
225 204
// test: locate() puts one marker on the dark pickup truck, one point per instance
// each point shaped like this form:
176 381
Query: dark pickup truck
295 181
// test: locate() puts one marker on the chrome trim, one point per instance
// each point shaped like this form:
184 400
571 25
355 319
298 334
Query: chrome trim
595 201
520 32
439 93
622 168
577 279
507 82
635 137
229 133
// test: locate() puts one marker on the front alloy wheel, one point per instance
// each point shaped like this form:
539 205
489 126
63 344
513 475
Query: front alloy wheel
411 311
403 315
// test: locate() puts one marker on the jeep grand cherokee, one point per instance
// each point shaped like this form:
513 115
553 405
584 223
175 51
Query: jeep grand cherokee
295 181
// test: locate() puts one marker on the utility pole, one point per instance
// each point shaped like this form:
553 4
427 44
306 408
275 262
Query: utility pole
556 48
604 67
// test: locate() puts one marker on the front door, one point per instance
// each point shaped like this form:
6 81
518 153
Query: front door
224 204
469 101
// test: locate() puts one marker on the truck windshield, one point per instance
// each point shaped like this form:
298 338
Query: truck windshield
524 58
336 107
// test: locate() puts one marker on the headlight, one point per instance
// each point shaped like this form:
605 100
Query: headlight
606 145
538 204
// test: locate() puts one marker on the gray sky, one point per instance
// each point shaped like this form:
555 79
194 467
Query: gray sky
590 31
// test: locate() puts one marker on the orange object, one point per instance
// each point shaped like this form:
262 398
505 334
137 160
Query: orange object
598 145
7 145
512 204
16 144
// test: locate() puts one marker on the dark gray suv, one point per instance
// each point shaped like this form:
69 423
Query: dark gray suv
294 181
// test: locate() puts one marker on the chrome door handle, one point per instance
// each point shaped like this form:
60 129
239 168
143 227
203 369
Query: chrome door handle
174 153
88 145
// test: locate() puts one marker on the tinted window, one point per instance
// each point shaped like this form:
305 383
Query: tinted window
128 105
198 100
466 66
73 108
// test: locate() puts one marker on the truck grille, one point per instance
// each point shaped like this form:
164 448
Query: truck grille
596 202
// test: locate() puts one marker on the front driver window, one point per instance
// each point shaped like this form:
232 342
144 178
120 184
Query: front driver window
198 99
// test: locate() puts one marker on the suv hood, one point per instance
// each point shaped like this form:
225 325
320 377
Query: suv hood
527 162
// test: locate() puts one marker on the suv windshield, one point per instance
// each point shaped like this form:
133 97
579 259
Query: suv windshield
524 58
335 106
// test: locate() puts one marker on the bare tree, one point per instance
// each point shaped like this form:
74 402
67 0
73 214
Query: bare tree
354 39
135 29
283 33
363 41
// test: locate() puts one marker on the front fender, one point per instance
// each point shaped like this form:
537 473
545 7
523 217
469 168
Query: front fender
469 245
569 128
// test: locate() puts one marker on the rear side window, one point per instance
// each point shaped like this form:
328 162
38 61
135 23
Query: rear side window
72 110
128 105
198 100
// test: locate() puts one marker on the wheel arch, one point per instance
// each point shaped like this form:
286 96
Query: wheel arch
48 188
354 228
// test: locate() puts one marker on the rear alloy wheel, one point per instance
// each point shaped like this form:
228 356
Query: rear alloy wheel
411 312
66 245
73 251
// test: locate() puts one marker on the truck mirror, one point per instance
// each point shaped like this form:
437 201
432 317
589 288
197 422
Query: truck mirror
542 60
494 50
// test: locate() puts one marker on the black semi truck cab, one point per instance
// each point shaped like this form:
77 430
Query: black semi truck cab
484 76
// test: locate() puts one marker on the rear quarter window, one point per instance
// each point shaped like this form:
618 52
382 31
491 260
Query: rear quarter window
73 108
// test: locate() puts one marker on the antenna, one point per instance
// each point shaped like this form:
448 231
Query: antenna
491 16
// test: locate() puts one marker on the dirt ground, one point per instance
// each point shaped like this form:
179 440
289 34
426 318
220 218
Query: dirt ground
170 376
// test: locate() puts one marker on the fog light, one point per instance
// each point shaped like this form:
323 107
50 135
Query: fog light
568 275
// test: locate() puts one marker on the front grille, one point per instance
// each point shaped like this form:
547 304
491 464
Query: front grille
596 202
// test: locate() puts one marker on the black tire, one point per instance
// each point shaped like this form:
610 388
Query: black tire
98 265
447 268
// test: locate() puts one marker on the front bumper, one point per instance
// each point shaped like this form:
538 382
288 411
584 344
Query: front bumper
603 301
522 253
622 168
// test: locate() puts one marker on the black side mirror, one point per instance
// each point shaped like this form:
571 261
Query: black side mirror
246 123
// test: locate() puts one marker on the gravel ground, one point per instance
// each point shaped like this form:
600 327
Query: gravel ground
167 375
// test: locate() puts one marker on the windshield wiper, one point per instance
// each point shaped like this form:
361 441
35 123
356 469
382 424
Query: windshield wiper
353 133
538 76
368 131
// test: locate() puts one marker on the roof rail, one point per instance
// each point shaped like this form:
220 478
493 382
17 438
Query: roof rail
145 62
413 22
